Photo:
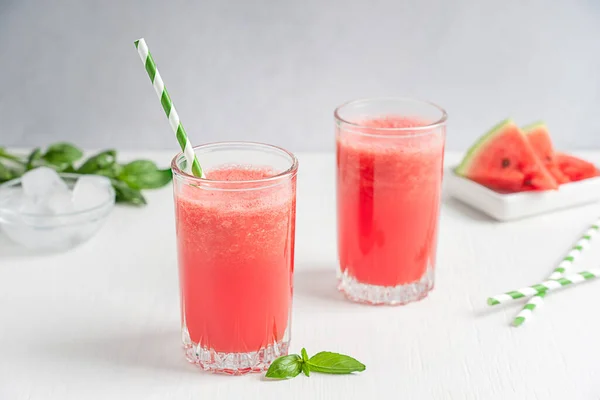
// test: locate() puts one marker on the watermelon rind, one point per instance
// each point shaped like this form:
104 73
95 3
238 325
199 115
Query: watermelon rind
480 145
527 129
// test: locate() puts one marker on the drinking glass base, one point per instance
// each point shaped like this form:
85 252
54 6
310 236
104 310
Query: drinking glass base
235 363
385 295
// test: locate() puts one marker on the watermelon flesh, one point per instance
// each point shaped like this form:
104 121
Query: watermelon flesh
503 182
539 138
503 160
575 169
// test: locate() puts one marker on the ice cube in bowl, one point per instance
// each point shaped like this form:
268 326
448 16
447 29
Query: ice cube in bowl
52 220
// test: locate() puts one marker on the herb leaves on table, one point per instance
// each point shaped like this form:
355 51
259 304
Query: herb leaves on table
325 362
128 179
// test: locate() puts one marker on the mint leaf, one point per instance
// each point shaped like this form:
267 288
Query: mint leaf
334 363
285 367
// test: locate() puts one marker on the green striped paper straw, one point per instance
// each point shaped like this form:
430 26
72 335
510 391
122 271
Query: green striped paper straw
563 267
544 287
167 104
533 303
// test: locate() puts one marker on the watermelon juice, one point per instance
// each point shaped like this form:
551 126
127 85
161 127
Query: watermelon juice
389 175
235 233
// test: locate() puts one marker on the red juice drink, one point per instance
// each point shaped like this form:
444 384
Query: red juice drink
235 234
389 175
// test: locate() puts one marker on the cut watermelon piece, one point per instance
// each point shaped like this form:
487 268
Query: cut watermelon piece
503 160
539 138
575 168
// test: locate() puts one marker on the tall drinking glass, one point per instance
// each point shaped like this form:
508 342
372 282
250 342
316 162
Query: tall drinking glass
235 235
390 154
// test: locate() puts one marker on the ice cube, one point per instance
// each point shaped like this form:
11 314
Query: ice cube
59 202
11 199
39 183
91 191
30 206
15 201
8 197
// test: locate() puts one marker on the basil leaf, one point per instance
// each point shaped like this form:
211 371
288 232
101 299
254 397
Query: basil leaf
304 354
333 363
33 158
5 173
8 172
60 167
69 169
125 194
111 171
98 162
139 167
62 153
285 367
153 180
305 367
144 174
14 159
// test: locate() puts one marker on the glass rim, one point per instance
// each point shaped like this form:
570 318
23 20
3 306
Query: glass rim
291 171
417 130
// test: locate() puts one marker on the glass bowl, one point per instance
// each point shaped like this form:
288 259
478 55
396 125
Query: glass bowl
60 231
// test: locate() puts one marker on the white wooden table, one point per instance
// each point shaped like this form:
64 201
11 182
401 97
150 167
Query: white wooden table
102 321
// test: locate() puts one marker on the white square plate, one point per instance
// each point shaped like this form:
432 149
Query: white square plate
506 207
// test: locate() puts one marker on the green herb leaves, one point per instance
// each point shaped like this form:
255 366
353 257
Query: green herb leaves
127 195
60 154
285 367
325 362
127 179
143 174
305 368
101 161
33 158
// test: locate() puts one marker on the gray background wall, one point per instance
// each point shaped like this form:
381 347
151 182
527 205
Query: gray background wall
273 70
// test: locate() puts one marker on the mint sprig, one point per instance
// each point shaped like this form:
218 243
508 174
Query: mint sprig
325 362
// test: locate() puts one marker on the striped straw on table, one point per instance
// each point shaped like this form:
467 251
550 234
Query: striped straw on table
559 271
544 287
167 104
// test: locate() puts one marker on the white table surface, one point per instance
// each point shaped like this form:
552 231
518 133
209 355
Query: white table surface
102 321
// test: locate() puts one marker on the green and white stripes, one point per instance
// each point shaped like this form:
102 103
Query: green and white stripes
167 104
544 287
533 303
561 269
578 247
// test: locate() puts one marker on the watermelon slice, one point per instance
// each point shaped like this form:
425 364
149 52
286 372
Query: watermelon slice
575 168
503 160
539 138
